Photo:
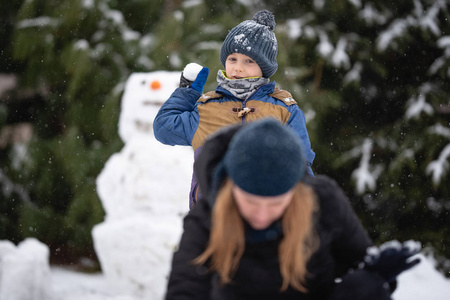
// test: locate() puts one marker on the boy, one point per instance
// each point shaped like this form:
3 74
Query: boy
244 94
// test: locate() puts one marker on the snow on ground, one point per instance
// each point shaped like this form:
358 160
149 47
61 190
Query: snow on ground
423 282
420 283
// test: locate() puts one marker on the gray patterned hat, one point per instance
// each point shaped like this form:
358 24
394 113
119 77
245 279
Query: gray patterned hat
256 39
265 158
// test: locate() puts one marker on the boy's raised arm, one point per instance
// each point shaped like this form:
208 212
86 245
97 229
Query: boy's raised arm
177 119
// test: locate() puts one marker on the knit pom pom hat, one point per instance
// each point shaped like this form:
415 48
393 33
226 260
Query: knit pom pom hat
256 39
265 158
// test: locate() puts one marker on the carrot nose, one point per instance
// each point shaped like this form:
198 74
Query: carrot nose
155 85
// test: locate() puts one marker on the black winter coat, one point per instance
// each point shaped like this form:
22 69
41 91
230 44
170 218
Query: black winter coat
343 244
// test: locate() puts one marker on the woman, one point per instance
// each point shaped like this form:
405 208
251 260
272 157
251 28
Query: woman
265 230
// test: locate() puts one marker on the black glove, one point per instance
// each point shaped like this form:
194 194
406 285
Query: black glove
194 76
392 258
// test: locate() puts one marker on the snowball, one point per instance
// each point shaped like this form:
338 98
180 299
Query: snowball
394 244
191 71
372 254
412 246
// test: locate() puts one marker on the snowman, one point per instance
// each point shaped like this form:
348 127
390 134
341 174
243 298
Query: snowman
144 191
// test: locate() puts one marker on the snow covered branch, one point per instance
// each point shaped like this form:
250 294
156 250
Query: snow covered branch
417 105
364 175
438 168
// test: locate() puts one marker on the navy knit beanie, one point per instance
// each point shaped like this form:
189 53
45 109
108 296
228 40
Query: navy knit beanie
256 39
265 158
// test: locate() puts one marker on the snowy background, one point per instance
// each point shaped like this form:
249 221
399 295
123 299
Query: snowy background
144 191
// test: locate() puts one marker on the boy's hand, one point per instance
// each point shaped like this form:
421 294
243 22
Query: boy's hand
392 258
194 76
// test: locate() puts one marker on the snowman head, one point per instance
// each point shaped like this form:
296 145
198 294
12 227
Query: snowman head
143 96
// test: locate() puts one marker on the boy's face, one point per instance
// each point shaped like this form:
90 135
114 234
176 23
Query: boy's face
238 66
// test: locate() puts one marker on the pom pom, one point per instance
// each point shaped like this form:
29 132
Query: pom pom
265 17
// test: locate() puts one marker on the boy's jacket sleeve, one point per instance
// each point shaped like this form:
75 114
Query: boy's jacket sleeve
297 122
177 119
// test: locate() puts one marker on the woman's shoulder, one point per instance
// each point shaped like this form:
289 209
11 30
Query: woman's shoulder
322 184
330 197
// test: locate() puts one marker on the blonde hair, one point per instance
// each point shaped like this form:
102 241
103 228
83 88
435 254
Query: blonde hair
227 241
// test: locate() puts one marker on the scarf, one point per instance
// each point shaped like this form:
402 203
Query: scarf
241 88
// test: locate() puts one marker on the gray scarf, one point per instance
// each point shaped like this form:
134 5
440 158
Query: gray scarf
241 88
